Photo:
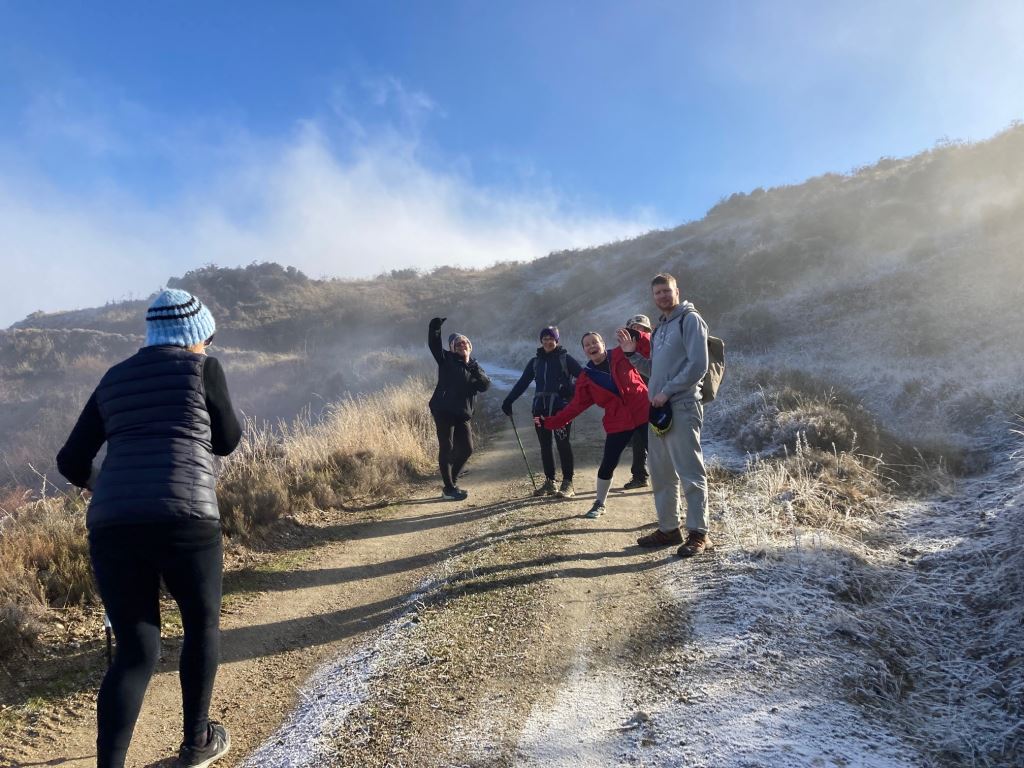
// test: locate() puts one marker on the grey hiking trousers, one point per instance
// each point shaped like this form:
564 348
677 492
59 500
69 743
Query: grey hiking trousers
675 458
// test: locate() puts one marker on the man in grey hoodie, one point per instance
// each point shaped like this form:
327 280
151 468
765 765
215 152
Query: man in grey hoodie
676 358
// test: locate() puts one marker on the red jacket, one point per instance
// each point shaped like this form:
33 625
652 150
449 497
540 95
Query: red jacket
625 411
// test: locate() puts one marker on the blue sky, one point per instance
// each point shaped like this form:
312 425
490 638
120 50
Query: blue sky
139 140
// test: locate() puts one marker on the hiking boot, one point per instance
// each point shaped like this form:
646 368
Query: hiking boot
454 493
595 511
548 489
696 543
565 490
218 742
660 538
636 482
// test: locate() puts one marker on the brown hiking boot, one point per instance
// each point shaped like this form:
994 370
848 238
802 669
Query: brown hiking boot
696 543
547 489
661 539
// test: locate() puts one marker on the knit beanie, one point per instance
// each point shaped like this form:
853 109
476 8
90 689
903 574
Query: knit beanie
179 318
551 331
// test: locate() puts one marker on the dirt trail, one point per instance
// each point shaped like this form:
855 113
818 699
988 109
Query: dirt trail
365 576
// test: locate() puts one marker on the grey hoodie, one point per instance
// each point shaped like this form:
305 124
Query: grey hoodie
678 360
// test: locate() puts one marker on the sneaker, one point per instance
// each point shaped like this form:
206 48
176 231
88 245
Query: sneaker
696 543
548 489
218 742
595 511
454 493
661 539
636 482
565 490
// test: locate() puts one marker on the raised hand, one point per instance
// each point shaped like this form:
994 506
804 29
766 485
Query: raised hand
626 341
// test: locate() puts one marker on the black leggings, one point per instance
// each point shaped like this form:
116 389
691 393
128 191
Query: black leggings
614 444
639 443
547 457
128 562
454 447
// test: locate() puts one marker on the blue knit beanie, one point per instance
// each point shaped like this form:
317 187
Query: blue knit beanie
179 318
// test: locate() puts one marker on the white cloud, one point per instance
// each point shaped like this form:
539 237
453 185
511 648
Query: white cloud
297 203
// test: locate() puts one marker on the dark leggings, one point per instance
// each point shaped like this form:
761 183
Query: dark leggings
547 457
128 562
639 443
454 447
614 444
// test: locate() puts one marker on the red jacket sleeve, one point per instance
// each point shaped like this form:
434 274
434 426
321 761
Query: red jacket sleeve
643 345
581 400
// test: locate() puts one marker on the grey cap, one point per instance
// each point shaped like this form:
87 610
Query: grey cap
643 320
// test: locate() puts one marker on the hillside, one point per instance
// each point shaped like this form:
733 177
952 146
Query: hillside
901 283
861 604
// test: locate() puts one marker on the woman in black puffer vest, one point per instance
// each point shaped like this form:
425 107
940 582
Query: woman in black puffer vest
459 380
163 413
554 371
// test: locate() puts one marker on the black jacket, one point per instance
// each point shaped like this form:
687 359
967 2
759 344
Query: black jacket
458 382
553 372
164 413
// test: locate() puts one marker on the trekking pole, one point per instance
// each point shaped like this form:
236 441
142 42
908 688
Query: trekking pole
109 631
516 431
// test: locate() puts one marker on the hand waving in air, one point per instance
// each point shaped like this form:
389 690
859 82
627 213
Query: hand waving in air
627 342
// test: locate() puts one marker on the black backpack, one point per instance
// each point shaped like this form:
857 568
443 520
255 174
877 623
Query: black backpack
567 390
716 364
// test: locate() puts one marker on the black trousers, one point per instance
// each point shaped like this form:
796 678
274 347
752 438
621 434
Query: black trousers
639 445
454 447
547 457
614 444
128 562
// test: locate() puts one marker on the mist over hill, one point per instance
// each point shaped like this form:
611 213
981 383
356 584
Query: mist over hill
901 283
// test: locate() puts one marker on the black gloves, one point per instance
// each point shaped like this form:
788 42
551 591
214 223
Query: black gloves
506 408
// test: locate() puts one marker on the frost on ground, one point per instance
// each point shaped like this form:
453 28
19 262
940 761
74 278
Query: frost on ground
584 726
744 692
307 737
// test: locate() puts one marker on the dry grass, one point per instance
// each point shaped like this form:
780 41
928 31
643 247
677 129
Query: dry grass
361 448
919 605
44 562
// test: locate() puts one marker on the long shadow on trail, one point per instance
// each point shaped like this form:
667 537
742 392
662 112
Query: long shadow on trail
268 639
394 526
247 581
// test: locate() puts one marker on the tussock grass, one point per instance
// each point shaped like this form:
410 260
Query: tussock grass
917 605
360 448
44 562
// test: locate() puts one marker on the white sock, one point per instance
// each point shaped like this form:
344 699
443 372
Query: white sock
602 489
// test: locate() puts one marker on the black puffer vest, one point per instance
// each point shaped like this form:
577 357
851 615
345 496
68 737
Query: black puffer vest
159 463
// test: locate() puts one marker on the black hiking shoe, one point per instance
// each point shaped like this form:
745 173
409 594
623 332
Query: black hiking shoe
636 482
218 742
454 493
547 489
